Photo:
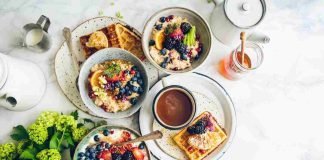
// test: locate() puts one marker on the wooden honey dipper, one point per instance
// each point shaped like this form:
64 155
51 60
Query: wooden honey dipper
242 37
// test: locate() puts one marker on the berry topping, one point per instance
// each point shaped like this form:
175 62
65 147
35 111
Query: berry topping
116 156
163 64
128 155
96 138
133 101
169 43
158 27
105 132
104 155
198 128
185 27
171 17
141 146
151 42
181 48
177 34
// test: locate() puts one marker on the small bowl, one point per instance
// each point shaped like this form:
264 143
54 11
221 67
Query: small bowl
194 18
102 56
183 90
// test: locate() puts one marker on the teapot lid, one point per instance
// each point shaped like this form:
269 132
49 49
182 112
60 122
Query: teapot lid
3 71
245 13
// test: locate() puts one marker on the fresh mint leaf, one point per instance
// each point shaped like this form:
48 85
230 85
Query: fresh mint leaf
19 133
75 114
112 70
28 154
54 142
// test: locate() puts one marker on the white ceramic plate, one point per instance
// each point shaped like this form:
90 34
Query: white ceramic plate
66 74
202 84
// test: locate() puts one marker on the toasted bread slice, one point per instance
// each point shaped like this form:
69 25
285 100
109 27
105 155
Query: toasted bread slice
215 138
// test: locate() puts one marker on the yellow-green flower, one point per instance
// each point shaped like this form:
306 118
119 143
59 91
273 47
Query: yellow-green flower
79 133
65 122
7 151
47 118
20 147
49 154
37 133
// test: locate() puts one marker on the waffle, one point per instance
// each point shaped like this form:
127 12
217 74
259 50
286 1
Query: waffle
88 51
118 36
218 136
121 37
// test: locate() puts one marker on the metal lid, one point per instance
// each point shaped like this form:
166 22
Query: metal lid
245 13
3 71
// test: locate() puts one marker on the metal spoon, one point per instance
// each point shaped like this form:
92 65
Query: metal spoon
151 136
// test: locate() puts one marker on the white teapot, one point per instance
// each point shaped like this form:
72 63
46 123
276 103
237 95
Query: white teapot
22 83
231 17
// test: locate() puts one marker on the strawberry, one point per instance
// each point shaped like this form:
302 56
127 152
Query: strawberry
114 78
177 34
138 154
105 155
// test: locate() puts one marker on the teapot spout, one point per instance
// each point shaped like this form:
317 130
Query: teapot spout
258 37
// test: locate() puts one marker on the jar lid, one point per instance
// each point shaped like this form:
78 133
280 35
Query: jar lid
245 13
3 71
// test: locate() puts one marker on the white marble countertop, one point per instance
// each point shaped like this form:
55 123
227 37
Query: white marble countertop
279 108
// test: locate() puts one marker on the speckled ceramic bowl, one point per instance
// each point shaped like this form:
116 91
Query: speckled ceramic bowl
194 18
102 56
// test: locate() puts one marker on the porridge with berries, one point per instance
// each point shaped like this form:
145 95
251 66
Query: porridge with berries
102 146
174 43
115 85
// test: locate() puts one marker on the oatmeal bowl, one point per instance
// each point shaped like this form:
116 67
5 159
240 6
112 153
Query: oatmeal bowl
176 40
113 83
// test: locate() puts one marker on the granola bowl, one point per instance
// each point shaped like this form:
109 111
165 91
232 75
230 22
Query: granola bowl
176 40
113 83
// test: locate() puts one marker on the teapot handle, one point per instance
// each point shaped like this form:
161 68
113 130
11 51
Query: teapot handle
41 20
8 101
218 2
258 37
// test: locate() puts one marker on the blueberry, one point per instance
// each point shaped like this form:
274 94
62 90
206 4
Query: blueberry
183 56
138 75
87 154
151 42
141 146
117 84
140 90
128 93
127 88
105 132
158 27
133 101
167 59
92 150
96 138
81 154
122 90
134 78
162 19
163 64
107 145
197 57
135 89
87 158
92 155
163 51
80 158
98 147
140 81
134 68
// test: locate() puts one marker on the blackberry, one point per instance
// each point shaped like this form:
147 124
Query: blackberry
201 123
200 129
169 43
116 156
128 155
151 42
180 47
191 130
185 27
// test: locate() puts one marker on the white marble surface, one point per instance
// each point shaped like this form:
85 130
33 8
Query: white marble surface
279 107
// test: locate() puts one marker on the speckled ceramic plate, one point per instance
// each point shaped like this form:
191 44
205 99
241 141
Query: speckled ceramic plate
66 74
89 138
210 96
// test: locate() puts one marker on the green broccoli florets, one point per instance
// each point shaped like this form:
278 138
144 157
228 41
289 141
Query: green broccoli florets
49 154
48 118
38 133
65 122
7 151
79 133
